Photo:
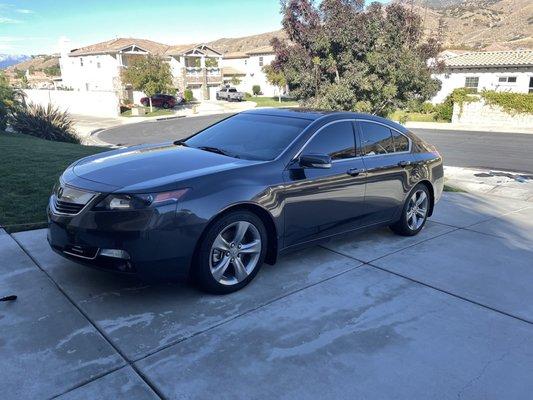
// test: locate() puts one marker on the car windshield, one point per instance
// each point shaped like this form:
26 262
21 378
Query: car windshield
249 136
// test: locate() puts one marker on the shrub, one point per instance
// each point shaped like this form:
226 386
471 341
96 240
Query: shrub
47 123
3 116
256 90
444 110
187 95
513 103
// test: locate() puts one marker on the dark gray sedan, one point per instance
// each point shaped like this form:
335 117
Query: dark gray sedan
242 191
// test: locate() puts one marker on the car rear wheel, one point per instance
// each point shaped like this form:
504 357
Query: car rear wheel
166 105
145 103
231 253
415 212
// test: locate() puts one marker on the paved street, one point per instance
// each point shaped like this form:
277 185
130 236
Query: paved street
493 150
445 314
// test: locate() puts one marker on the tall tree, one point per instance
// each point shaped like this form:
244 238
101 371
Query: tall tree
150 74
275 77
343 55
11 99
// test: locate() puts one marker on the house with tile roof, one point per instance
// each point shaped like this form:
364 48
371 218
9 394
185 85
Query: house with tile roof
98 67
247 67
510 71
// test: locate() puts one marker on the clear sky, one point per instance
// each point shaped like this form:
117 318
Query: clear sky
35 27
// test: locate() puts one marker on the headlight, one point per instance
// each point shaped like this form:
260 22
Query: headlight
139 201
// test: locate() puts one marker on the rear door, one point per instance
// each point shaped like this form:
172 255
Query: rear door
323 202
387 161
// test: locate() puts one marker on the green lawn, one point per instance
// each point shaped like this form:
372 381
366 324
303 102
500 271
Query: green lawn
272 102
28 170
158 112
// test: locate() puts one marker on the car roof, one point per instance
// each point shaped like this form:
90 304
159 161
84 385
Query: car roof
314 115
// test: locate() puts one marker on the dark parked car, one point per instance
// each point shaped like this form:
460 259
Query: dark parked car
241 192
161 100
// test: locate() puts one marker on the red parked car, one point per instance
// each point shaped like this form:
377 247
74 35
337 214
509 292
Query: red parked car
161 100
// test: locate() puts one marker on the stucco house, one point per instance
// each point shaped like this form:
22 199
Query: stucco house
510 71
98 67
247 67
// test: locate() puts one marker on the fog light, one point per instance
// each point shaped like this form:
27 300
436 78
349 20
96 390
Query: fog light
115 253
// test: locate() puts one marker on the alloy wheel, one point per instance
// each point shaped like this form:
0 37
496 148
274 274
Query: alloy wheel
417 210
235 253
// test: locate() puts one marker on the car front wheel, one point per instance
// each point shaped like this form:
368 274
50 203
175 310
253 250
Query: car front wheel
231 253
415 212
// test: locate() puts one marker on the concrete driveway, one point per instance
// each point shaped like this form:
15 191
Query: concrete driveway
445 314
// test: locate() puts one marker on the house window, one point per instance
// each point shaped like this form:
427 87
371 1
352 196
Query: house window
260 61
98 64
81 62
472 82
245 62
507 79
531 84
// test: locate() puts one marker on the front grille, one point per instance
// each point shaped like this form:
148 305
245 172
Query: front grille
65 207
69 200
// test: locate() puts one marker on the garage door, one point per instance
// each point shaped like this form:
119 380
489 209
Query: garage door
213 92
197 92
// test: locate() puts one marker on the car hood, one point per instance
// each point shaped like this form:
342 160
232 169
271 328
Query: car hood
149 167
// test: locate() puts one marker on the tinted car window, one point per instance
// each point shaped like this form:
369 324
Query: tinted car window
249 136
377 139
232 90
335 140
401 143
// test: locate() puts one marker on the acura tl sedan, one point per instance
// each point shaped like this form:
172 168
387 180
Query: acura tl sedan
237 194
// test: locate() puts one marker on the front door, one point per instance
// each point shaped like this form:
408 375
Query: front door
323 202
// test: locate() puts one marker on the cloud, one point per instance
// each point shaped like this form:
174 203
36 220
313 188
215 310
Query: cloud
24 11
5 20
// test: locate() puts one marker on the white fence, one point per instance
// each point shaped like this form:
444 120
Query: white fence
97 104
480 113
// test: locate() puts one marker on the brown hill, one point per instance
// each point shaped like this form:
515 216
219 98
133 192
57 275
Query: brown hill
247 43
46 63
479 24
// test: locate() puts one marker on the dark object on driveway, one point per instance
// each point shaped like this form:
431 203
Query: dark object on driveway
9 298
230 94
161 101
242 191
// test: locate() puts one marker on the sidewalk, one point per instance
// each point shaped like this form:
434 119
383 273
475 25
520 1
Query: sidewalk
465 127
493 182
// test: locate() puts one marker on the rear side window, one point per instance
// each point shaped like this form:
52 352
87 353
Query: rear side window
335 140
377 139
401 143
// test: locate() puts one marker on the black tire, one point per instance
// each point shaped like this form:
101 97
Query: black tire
201 269
166 106
145 103
217 97
406 226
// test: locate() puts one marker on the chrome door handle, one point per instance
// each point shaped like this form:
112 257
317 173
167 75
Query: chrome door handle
354 171
404 164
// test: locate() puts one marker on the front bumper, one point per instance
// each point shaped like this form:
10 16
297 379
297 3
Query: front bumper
159 242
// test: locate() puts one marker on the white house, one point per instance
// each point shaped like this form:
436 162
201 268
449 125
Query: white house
510 71
98 67
247 67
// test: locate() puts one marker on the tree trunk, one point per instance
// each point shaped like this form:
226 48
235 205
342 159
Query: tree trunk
150 100
279 94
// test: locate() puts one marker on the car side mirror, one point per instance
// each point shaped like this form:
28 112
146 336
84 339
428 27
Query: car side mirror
321 161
